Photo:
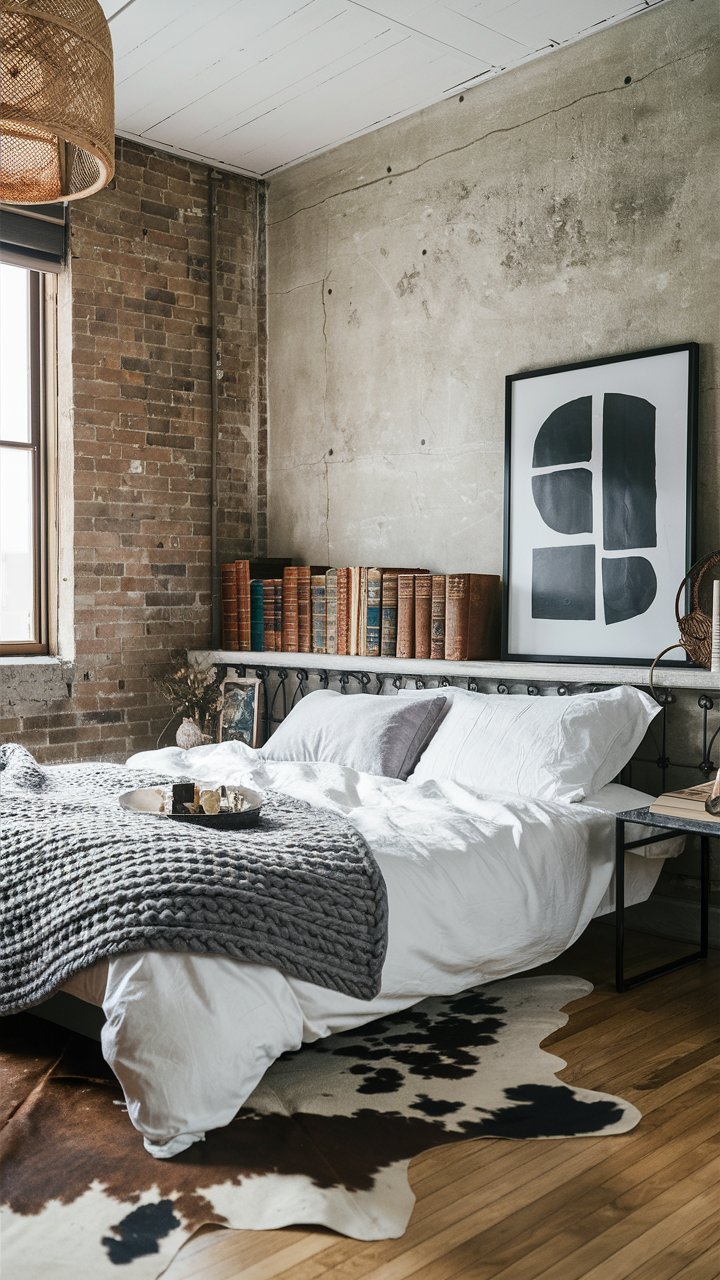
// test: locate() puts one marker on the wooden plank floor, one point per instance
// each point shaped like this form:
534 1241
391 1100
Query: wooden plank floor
641 1206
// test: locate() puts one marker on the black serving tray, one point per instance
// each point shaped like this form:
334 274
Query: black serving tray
220 821
150 801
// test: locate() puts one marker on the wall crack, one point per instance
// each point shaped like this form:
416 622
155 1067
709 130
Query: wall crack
465 146
282 293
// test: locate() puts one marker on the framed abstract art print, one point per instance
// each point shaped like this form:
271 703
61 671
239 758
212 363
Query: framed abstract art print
599 489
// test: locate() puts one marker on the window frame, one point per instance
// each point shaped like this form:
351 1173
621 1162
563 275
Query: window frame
37 446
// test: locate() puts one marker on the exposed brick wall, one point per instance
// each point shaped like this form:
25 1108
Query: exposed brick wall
141 399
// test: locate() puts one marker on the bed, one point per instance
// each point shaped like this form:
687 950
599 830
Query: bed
482 882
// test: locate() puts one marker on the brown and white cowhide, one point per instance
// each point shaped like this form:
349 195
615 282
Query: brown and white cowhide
326 1138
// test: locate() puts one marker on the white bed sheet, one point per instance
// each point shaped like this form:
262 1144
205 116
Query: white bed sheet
478 888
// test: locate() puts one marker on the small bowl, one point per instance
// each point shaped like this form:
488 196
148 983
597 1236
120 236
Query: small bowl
151 800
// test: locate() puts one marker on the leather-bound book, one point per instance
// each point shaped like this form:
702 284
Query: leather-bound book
257 630
343 576
374 605
228 597
277 591
303 605
406 616
362 614
388 617
242 576
472 617
437 616
484 620
423 606
331 597
290 629
353 610
268 593
317 609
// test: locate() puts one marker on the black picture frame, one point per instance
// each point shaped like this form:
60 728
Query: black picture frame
673 484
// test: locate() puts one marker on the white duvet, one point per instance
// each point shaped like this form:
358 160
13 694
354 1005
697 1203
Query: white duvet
478 888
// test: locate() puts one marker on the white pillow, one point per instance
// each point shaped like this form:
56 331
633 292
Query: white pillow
367 732
548 748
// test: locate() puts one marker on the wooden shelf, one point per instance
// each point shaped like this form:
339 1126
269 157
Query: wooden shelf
554 672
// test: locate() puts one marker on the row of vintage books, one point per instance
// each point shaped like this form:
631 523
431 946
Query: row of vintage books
359 611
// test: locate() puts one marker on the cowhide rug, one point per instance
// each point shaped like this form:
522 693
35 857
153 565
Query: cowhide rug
326 1138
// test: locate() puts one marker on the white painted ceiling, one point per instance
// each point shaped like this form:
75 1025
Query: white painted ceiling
257 85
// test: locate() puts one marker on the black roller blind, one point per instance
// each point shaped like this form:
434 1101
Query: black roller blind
33 235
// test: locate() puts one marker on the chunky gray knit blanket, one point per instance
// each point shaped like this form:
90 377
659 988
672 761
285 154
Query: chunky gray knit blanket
82 879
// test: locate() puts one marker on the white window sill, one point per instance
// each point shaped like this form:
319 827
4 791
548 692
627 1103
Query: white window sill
30 659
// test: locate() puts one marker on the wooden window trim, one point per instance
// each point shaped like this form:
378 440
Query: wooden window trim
37 446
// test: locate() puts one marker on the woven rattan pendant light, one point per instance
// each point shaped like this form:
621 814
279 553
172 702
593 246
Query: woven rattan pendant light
56 100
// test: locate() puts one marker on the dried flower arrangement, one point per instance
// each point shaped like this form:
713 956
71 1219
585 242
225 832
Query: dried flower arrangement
194 694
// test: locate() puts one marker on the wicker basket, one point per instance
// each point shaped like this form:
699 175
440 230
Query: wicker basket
695 627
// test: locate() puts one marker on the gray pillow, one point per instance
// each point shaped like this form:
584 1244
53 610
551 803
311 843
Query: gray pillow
368 732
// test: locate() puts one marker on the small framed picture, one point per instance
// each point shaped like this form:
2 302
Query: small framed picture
599 493
239 715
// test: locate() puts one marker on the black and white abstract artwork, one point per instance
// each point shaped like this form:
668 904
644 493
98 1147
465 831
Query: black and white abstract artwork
598 505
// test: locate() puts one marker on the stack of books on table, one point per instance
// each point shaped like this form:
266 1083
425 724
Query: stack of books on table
687 804
360 612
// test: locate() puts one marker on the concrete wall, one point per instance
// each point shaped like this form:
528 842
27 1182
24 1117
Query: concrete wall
552 214
563 211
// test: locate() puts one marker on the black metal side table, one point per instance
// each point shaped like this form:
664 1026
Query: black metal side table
671 828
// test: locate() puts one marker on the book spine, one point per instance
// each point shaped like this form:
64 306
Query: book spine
290 628
268 593
317 608
303 596
374 605
353 610
362 614
278 600
257 633
242 575
456 617
483 617
437 616
331 599
406 616
423 607
388 623
228 596
342 611
696 813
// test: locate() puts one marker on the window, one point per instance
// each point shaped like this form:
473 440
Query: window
23 503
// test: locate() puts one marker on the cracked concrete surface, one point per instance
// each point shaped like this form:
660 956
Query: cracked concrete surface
558 213
483 137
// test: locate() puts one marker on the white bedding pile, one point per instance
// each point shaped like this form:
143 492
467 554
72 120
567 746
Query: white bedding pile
478 888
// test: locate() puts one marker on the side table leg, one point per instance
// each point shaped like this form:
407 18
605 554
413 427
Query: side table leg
619 904
704 893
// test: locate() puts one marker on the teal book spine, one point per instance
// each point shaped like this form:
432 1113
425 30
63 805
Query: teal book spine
388 623
374 600
257 630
